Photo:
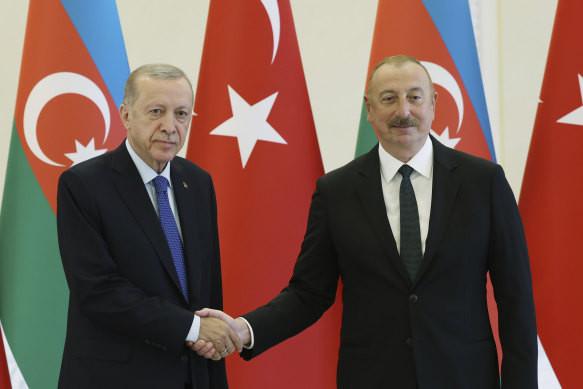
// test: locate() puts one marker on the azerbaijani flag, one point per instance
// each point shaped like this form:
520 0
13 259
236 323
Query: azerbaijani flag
73 70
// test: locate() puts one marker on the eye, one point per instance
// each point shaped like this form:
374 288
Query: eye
416 98
182 115
387 99
156 111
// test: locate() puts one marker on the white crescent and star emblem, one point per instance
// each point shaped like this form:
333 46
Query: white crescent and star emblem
48 88
575 117
440 76
249 122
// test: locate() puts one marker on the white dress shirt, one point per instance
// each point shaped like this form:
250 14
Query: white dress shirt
422 181
148 174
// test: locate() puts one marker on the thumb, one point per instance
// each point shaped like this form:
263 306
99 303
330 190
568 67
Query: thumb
203 312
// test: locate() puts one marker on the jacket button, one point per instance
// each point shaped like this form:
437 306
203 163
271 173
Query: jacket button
409 342
184 358
413 298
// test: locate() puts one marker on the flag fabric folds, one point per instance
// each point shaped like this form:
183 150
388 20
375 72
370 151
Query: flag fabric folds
443 40
550 203
253 131
72 74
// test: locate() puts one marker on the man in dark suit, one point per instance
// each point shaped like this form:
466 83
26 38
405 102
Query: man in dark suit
413 273
138 237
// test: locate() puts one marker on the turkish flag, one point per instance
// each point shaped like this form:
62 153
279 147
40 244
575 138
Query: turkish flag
550 199
253 131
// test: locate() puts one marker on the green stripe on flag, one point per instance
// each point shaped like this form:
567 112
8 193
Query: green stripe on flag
367 137
33 290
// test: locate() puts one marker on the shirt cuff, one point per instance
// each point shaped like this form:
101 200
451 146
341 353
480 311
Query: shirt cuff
194 329
250 345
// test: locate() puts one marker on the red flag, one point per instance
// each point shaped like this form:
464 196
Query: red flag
550 199
4 374
253 131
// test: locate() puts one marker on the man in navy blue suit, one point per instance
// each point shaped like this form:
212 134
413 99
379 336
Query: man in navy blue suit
412 228
133 294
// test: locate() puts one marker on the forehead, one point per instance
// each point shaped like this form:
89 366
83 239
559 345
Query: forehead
177 91
398 78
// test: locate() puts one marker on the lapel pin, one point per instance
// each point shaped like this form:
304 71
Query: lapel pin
185 185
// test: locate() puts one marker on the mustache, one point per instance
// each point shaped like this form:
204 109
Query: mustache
404 122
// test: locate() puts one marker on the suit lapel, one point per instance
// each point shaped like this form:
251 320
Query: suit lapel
186 202
370 193
131 189
444 192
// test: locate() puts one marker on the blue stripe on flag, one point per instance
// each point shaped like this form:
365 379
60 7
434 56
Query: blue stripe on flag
459 40
97 23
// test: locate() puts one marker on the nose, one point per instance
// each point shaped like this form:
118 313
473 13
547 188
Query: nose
403 109
168 123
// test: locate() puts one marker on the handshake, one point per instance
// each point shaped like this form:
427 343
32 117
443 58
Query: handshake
220 335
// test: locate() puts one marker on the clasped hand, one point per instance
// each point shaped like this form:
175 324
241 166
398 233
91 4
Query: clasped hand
220 335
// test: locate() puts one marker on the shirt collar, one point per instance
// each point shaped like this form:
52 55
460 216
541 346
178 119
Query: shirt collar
422 162
146 172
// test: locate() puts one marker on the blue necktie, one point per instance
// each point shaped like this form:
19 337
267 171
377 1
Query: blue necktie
171 231
411 254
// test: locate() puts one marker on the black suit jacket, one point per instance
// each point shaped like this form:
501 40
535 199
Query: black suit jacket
127 319
430 333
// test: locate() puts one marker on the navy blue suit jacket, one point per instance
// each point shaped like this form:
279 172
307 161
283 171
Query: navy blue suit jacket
127 319
433 332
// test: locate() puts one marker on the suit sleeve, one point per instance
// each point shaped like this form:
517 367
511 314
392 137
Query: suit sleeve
311 290
96 286
511 279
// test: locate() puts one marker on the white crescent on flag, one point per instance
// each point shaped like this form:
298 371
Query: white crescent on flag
48 88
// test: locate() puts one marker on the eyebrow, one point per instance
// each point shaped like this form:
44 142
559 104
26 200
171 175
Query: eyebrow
390 91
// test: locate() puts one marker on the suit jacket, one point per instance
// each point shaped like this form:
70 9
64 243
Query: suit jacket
127 319
431 333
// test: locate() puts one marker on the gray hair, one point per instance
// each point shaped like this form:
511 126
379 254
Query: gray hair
158 71
398 61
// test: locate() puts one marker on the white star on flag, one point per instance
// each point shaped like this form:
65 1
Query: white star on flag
83 153
445 139
576 116
249 124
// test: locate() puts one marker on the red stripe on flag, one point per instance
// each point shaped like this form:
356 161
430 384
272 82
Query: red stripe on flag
61 114
4 373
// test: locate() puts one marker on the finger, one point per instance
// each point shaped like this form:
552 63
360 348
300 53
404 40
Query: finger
203 312
229 345
203 348
216 357
210 353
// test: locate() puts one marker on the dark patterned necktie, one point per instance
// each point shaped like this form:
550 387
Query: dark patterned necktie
171 231
410 232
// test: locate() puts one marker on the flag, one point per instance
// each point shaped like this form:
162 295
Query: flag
71 81
443 40
10 375
4 372
253 131
551 207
